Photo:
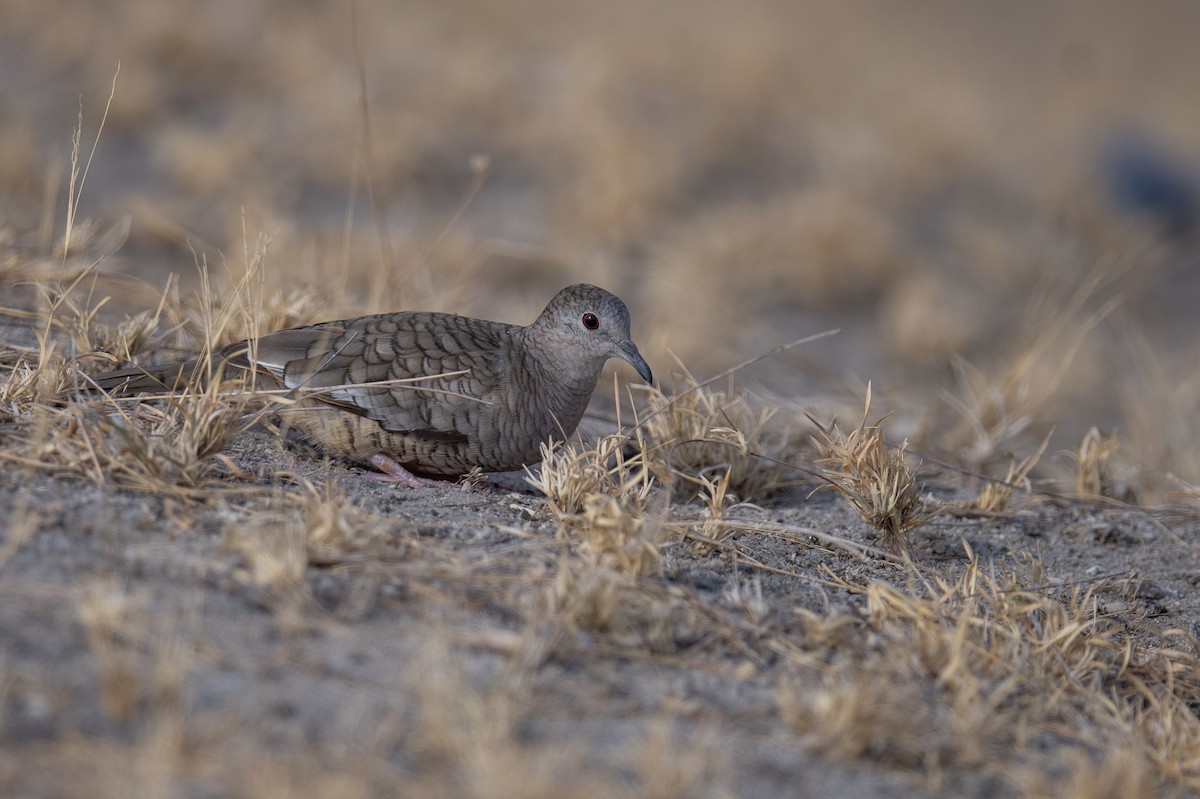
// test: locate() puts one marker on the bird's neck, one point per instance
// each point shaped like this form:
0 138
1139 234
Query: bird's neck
556 367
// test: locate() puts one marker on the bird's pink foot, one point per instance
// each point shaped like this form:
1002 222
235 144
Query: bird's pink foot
392 472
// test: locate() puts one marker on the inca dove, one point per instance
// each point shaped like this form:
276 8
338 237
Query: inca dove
518 385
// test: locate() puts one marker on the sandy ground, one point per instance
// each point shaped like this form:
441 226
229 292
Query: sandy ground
145 655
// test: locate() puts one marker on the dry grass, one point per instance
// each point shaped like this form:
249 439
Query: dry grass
614 525
875 479
966 669
698 439
168 450
1002 405
602 497
995 494
570 474
1094 470
279 541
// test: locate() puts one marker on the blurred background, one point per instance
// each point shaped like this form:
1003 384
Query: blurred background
997 203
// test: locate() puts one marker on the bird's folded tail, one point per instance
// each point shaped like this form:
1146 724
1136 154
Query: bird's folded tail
163 378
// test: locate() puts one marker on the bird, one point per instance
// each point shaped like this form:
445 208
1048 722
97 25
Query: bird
478 394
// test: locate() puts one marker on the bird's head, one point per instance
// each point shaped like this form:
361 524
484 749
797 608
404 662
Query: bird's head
582 327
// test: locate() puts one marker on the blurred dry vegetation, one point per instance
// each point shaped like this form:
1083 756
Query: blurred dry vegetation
997 203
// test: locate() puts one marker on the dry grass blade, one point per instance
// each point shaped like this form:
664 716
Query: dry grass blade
876 480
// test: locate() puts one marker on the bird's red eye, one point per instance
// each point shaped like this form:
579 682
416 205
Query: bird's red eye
591 321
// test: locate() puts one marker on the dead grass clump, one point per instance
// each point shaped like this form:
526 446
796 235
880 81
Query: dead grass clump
876 480
69 335
1160 403
628 612
614 534
600 497
864 714
273 549
626 542
469 739
92 338
337 531
244 309
173 450
1094 470
157 449
698 436
571 473
1122 773
135 445
141 664
40 380
107 614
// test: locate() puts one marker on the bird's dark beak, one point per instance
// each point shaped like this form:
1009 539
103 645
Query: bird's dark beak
628 351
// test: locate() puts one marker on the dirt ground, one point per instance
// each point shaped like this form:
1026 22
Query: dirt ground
997 205
144 655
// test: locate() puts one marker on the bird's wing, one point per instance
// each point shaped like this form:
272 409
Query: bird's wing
354 365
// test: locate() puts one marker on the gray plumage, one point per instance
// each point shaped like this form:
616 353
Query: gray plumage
518 386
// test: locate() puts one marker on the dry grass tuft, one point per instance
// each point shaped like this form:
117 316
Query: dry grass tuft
637 614
107 614
170 450
615 527
336 530
39 381
600 496
141 662
173 447
857 715
273 549
621 540
876 480
157 449
697 437
1160 401
470 743
571 473
1094 470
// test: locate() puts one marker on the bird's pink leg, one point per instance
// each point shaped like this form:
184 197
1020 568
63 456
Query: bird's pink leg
393 472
